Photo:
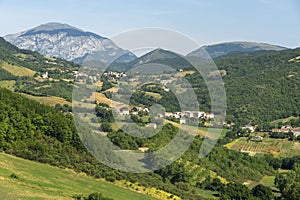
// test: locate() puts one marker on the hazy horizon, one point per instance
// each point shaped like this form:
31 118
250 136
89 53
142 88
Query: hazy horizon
206 22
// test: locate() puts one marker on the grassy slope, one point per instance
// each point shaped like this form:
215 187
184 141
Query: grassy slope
8 84
41 181
52 100
17 71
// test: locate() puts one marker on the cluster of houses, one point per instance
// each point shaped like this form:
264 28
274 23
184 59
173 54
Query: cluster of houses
81 76
182 116
133 111
284 129
287 129
114 75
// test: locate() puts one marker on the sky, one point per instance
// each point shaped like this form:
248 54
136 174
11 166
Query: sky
204 21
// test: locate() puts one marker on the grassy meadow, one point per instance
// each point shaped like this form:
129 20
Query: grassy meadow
40 181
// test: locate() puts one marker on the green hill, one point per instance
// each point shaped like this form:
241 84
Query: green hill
26 68
260 88
23 179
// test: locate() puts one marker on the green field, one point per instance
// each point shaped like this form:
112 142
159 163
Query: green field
41 181
8 84
275 122
268 181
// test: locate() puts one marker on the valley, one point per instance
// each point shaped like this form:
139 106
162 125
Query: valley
41 95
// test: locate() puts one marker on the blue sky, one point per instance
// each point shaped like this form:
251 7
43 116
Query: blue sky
207 22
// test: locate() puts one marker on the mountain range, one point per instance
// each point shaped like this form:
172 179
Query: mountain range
73 44
70 43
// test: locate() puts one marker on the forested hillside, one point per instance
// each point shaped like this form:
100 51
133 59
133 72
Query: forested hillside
41 133
259 87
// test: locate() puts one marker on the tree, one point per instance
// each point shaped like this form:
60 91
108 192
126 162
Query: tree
289 183
262 192
235 191
216 184
106 127
97 196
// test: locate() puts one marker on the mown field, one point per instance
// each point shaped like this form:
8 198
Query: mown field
40 181
52 101
17 70
277 147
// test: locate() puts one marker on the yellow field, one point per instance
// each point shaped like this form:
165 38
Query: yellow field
217 72
113 89
296 59
21 55
187 128
8 84
101 98
183 74
52 101
159 194
153 94
51 59
16 70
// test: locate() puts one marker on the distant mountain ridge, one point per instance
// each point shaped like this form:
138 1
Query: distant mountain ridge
87 48
157 56
222 49
70 43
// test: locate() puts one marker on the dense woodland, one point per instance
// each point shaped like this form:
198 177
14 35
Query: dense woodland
262 88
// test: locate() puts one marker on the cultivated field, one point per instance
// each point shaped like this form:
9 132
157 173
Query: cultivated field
52 101
155 95
16 70
184 73
277 147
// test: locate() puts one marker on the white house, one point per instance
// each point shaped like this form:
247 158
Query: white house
124 111
182 121
146 110
134 113
169 114
210 115
249 127
46 75
152 125
188 114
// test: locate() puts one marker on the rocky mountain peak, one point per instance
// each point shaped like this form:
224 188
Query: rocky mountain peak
70 43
